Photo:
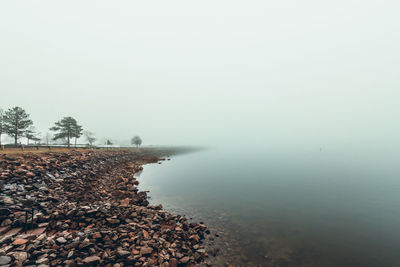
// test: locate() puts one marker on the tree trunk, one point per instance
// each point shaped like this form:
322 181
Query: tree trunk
15 139
68 141
75 142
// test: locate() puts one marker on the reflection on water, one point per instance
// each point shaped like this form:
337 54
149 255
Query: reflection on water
307 209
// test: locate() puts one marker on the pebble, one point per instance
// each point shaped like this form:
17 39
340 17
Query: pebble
4 260
61 240
89 211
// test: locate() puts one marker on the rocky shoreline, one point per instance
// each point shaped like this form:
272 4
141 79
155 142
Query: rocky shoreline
83 208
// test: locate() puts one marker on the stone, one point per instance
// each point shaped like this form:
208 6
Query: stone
125 202
185 260
145 234
42 261
113 221
8 200
19 241
173 262
96 235
20 256
61 240
70 254
91 259
123 253
90 212
4 260
37 231
146 250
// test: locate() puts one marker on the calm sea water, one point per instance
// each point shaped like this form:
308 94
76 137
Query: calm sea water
308 208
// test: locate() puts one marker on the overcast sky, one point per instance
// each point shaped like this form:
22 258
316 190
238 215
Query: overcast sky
207 72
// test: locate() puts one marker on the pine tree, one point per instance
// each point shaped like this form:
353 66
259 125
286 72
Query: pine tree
67 128
15 122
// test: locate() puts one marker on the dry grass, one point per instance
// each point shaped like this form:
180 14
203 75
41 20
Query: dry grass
45 150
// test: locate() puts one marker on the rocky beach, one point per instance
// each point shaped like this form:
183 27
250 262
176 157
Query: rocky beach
84 208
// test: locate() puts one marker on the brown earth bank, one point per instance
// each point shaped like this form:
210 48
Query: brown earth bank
83 208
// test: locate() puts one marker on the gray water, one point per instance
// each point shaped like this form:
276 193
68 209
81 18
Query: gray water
309 208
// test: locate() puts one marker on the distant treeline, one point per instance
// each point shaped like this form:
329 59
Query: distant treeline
16 123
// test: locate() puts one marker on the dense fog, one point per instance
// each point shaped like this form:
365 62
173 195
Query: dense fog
279 74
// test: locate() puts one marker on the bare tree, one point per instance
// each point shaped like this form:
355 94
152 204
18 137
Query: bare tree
90 138
32 134
136 140
47 138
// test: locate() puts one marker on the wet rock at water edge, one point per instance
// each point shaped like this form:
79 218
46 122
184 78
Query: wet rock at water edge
87 210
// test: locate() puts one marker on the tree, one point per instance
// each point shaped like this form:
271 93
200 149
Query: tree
136 140
89 137
47 138
66 128
1 123
15 122
108 142
31 134
77 132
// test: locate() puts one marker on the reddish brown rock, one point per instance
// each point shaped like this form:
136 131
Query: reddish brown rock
173 262
125 202
19 241
91 213
146 250
91 259
145 234
185 259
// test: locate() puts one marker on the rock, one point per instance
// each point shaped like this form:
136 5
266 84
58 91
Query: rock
125 202
123 253
42 261
30 174
19 241
113 221
89 211
145 234
146 250
4 260
61 240
173 262
8 201
20 256
91 259
185 259
96 235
